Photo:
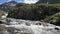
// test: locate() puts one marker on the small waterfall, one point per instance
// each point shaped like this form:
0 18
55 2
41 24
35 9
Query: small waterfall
4 16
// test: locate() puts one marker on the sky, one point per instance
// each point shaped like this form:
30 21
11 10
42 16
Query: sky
3 1
24 1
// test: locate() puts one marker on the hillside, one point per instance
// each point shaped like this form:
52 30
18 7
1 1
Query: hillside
49 1
34 12
7 5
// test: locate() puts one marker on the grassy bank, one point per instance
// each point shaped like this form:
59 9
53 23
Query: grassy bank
58 5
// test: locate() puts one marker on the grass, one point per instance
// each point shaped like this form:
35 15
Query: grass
57 5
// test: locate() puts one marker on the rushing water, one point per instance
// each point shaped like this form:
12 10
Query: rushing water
19 26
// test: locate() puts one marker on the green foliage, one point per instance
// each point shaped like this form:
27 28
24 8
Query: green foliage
55 19
27 5
2 12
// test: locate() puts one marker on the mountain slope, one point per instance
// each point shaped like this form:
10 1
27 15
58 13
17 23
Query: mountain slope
42 1
8 5
49 1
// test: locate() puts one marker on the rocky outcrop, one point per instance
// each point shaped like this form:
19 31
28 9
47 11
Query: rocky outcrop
32 12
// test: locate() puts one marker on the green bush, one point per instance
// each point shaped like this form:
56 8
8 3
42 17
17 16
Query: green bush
55 19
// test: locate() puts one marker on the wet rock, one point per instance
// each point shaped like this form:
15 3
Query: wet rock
1 22
38 23
4 32
57 28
